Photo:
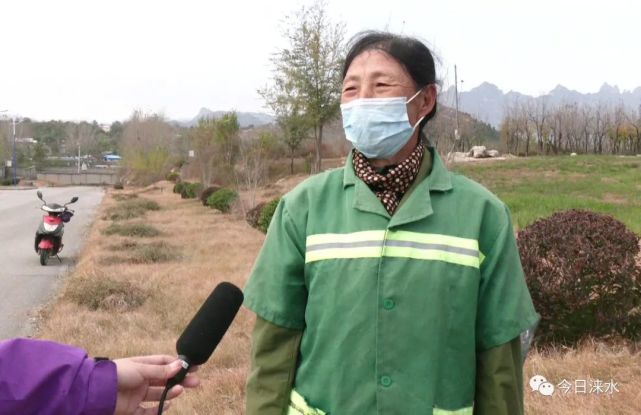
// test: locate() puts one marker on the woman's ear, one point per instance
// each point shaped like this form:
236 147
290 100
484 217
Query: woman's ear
427 100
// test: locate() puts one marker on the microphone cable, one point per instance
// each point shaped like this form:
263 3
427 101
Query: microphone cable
163 397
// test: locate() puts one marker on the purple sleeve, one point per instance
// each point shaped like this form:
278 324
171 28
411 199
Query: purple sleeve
42 377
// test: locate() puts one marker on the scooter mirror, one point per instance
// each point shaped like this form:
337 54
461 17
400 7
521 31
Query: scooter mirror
39 193
74 199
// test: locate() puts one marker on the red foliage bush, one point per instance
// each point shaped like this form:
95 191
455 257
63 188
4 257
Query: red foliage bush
581 268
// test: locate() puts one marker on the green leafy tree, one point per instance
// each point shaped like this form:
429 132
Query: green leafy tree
227 129
39 154
216 146
307 73
146 146
294 123
4 145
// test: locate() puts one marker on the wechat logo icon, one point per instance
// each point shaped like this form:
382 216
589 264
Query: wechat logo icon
540 384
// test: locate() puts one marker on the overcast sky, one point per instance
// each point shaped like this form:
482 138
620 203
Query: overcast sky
100 60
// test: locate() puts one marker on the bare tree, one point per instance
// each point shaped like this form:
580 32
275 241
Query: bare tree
251 167
203 139
634 122
587 120
537 113
616 133
601 125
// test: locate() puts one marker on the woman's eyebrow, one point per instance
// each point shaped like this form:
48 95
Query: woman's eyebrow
381 74
373 75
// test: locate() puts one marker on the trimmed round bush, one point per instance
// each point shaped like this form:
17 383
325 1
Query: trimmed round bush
266 214
191 190
178 187
173 176
222 200
208 192
582 271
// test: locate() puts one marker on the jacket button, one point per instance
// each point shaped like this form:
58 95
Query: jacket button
388 304
386 381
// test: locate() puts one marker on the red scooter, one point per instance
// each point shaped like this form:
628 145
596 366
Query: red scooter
48 240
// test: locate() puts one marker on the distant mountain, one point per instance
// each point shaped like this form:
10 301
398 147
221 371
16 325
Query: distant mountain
487 102
245 119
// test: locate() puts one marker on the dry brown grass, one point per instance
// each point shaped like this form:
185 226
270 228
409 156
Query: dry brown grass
219 247
215 248
590 362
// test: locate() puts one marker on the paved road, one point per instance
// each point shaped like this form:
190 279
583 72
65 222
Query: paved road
24 283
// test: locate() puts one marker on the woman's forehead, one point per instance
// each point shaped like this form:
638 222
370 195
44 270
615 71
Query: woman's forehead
374 63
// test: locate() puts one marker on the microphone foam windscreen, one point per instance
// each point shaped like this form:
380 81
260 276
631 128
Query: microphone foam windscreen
210 323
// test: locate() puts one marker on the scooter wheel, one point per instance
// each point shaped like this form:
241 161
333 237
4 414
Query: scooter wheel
44 255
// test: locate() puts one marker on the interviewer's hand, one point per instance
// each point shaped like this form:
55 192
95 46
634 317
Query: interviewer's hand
142 379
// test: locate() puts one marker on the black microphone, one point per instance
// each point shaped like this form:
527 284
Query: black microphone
206 329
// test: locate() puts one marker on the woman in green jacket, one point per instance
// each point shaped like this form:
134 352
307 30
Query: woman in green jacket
388 286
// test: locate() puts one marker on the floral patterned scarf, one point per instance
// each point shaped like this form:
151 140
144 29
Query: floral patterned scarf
392 182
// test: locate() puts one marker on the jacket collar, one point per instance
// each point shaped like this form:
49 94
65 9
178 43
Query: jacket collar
438 180
417 207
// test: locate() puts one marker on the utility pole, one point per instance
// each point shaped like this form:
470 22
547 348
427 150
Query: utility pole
14 162
456 132
3 111
78 158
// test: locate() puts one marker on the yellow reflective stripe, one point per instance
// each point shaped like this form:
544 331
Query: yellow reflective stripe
341 253
298 406
431 254
330 238
462 411
402 244
433 238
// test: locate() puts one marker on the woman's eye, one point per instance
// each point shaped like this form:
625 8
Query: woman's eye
349 88
381 84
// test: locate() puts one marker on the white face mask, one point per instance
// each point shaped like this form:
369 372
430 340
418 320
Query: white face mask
378 127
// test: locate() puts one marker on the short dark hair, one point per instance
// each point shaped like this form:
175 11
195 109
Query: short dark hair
410 52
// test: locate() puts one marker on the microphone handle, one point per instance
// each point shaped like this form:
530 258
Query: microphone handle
180 376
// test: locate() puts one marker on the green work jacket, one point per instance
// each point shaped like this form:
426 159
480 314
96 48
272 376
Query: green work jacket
393 309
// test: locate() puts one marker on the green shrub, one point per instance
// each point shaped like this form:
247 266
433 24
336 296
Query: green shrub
191 190
173 176
178 187
222 200
583 276
140 230
208 192
197 189
104 293
266 214
9 181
